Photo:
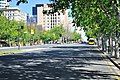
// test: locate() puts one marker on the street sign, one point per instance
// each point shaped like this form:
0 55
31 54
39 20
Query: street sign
32 31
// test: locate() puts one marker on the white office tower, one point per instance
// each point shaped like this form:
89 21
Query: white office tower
48 21
14 13
4 4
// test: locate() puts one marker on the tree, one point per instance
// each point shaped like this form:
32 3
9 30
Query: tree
57 31
19 1
53 34
99 18
46 36
75 36
10 30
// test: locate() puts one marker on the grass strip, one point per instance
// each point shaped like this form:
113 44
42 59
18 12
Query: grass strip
8 52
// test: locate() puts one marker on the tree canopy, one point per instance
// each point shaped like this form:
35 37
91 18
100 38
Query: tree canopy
53 34
97 17
19 1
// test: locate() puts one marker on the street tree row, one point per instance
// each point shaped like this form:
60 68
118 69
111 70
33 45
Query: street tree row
17 33
99 19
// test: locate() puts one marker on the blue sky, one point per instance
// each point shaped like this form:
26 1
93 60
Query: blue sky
28 7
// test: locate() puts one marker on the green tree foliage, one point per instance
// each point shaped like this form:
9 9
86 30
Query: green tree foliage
75 36
52 34
46 36
19 1
57 31
95 16
89 13
99 18
3 27
10 30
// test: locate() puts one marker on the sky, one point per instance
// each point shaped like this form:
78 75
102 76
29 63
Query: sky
28 7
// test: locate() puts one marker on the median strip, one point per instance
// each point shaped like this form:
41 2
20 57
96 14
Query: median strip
15 51
9 52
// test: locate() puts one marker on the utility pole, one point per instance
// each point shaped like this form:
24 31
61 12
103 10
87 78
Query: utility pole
19 31
18 38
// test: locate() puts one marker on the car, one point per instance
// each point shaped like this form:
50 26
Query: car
83 42
91 41
4 44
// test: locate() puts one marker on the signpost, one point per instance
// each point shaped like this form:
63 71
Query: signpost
19 31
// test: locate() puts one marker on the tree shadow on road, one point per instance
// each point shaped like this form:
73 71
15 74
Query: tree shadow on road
58 64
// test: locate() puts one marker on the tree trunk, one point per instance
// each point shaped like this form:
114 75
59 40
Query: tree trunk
104 46
116 48
113 51
98 42
110 48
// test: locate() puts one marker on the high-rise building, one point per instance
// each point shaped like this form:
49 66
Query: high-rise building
4 4
14 13
48 21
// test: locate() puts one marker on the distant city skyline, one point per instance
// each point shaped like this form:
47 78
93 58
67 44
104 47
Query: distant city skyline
27 8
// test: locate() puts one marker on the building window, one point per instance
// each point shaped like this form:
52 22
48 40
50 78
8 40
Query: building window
58 13
55 20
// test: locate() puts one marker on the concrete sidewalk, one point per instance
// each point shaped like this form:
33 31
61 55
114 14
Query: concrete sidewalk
115 61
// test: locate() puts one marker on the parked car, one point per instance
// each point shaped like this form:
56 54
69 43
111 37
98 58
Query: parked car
4 44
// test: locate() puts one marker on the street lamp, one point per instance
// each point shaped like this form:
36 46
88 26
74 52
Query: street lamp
32 33
24 37
19 31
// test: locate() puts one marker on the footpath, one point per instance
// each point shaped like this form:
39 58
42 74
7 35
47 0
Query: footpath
115 61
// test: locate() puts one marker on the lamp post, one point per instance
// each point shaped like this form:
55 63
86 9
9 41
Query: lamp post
18 38
24 37
19 31
32 33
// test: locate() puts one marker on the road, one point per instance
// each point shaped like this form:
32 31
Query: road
58 62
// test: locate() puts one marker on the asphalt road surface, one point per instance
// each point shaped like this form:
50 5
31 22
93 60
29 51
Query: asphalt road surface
71 62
